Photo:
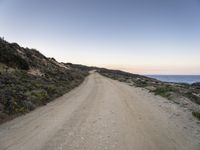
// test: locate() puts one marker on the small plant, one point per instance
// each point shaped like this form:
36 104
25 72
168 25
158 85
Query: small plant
164 91
196 114
192 97
141 83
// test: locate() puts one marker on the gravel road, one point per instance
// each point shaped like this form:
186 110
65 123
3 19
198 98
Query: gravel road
103 114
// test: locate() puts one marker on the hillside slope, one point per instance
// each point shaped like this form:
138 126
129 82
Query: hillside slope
28 79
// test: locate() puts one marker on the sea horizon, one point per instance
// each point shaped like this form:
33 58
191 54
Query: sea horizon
176 78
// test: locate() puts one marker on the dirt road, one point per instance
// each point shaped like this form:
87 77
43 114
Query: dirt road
103 114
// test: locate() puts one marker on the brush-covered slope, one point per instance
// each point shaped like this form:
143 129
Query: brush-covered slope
29 79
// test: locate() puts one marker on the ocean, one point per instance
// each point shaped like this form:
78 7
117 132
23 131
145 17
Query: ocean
177 78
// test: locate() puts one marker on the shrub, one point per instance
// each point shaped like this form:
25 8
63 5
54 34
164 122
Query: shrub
37 96
11 59
12 106
141 83
193 97
196 114
164 91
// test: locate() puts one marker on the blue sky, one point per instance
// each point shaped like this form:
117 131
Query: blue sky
140 36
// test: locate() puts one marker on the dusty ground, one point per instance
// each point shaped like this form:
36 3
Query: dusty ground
104 114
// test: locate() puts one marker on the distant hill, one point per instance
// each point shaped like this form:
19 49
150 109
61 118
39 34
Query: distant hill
28 79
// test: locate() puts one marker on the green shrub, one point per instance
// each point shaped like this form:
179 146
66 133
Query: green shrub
196 114
141 83
51 89
38 97
8 56
13 106
164 91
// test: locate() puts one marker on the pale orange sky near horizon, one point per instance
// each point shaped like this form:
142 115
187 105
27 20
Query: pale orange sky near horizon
156 70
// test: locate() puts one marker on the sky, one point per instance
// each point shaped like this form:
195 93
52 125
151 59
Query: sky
138 36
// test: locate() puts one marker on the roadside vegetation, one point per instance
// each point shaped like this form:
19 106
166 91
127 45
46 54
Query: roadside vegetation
186 95
28 79
196 114
164 91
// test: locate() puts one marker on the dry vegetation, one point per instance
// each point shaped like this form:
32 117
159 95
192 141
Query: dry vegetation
28 79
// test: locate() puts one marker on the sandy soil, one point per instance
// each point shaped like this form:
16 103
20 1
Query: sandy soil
103 114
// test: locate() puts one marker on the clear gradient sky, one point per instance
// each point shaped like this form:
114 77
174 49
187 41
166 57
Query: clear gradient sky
139 36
